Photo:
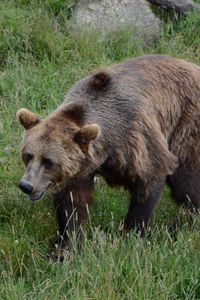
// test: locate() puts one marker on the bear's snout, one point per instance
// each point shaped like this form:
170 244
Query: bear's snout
25 187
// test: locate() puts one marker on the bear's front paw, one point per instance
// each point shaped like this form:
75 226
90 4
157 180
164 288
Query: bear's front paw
60 254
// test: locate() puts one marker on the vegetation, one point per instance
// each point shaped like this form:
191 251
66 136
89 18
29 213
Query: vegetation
39 62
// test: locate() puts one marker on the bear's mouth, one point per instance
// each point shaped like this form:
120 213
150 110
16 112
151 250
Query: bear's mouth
37 196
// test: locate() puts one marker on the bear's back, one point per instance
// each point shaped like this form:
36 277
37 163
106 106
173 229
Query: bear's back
156 87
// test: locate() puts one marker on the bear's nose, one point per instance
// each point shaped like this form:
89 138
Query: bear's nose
26 187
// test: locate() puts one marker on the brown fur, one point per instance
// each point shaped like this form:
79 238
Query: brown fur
137 124
101 80
27 118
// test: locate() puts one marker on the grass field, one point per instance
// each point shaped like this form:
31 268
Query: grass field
39 62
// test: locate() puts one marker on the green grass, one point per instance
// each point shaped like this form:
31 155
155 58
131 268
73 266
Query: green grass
39 62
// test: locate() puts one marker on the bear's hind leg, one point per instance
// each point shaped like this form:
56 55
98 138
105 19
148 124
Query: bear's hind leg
185 187
72 208
141 208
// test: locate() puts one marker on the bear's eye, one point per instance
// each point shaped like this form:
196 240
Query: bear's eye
27 157
47 163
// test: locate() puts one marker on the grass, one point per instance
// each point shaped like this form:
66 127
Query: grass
39 62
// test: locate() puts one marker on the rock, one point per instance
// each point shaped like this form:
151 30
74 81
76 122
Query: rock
180 6
108 16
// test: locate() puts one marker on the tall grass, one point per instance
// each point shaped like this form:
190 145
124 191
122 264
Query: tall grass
39 61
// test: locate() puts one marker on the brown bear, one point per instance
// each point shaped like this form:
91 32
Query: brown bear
137 124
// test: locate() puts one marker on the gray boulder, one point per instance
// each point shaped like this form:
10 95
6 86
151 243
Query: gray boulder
180 6
108 16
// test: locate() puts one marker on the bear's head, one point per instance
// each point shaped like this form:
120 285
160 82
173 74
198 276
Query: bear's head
56 150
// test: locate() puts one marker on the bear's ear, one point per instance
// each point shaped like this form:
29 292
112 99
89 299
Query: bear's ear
101 80
27 118
87 133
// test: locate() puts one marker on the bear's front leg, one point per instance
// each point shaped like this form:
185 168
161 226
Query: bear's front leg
72 207
142 207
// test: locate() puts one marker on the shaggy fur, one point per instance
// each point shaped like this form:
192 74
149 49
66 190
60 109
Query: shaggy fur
137 124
